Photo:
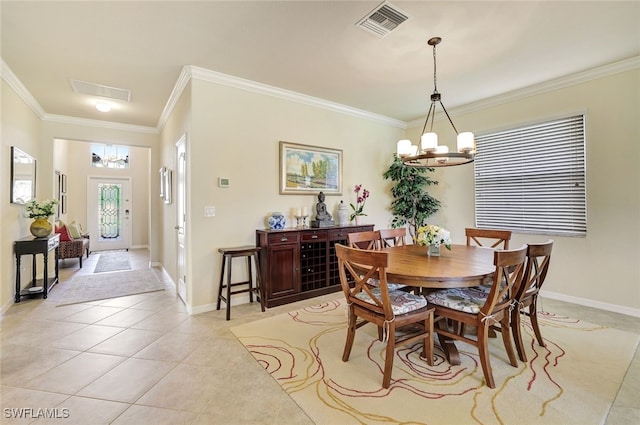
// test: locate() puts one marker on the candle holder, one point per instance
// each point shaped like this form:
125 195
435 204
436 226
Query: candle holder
301 222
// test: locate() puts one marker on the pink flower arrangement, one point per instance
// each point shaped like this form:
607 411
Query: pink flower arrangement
361 199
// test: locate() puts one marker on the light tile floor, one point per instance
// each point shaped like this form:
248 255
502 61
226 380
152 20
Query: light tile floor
142 359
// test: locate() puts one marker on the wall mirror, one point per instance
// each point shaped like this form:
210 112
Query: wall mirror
23 176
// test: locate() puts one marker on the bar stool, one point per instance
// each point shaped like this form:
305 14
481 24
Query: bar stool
229 254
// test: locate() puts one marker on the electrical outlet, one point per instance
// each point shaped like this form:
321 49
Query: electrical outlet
210 211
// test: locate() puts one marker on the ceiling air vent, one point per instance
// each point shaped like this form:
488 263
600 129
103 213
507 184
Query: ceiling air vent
383 19
100 90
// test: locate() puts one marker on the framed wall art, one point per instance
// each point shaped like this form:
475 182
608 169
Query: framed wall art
307 170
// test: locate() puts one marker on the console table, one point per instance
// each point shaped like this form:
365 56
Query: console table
297 264
33 246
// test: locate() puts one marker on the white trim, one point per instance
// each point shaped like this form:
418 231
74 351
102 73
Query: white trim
591 303
12 80
189 72
544 87
202 74
63 119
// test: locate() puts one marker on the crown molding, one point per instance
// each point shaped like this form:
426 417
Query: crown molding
63 119
544 87
10 78
202 74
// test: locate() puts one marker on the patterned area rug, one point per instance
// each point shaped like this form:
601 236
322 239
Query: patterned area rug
574 380
110 285
112 262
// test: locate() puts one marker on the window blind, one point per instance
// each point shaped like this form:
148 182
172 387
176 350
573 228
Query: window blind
532 179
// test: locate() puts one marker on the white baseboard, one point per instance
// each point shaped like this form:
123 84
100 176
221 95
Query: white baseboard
591 303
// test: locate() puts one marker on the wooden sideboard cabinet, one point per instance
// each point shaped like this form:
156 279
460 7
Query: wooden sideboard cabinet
297 264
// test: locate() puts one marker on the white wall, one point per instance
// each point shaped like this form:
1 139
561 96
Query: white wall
21 128
235 134
602 269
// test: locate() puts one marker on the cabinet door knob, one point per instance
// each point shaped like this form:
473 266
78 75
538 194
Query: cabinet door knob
283 239
314 237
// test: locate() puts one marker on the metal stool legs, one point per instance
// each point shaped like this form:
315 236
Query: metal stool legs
228 254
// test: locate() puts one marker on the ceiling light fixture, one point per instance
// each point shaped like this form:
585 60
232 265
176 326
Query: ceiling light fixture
103 106
427 153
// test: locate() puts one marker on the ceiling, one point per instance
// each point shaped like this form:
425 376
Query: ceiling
309 47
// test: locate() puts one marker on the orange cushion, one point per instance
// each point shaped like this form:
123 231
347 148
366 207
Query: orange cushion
64 233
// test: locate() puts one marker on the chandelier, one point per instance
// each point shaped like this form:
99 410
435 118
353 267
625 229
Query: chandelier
428 153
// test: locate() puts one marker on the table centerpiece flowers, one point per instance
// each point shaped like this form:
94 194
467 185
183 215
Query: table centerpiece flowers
361 200
433 236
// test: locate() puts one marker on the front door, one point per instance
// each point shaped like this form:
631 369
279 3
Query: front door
108 213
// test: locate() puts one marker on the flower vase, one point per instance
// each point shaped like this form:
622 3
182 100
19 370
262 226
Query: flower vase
433 251
41 227
357 220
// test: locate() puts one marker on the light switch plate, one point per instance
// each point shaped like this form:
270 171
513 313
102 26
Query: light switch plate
210 211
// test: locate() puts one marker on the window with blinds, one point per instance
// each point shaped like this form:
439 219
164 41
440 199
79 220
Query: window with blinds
532 179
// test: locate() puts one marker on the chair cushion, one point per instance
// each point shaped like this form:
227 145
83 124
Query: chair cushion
64 233
401 302
390 285
469 300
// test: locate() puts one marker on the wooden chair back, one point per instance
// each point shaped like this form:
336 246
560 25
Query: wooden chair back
370 265
538 258
488 237
393 237
365 240
373 304
507 280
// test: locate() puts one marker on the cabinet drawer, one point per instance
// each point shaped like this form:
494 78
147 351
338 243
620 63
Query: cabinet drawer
338 234
314 235
284 237
53 243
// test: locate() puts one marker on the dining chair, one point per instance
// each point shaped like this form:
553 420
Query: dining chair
371 240
393 237
538 258
365 240
385 308
488 237
482 307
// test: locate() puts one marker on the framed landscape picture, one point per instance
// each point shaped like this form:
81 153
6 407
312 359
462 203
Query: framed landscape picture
310 169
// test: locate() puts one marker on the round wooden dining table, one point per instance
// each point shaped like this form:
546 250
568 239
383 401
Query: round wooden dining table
462 266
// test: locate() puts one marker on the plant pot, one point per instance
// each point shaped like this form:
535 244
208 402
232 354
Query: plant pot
357 220
41 227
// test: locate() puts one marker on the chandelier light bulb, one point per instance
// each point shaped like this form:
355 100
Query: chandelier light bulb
466 142
429 142
404 148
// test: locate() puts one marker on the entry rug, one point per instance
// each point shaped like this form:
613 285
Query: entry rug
574 380
112 262
110 285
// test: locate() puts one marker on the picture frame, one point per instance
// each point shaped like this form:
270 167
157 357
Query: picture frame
161 174
167 185
297 165
63 203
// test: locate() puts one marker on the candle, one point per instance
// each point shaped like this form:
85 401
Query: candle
304 211
298 212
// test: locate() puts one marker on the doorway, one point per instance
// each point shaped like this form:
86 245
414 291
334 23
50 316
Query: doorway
181 217
108 213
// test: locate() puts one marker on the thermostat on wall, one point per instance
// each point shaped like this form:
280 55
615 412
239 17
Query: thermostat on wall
223 182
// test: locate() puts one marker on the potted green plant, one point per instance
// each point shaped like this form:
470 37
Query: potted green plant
412 204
